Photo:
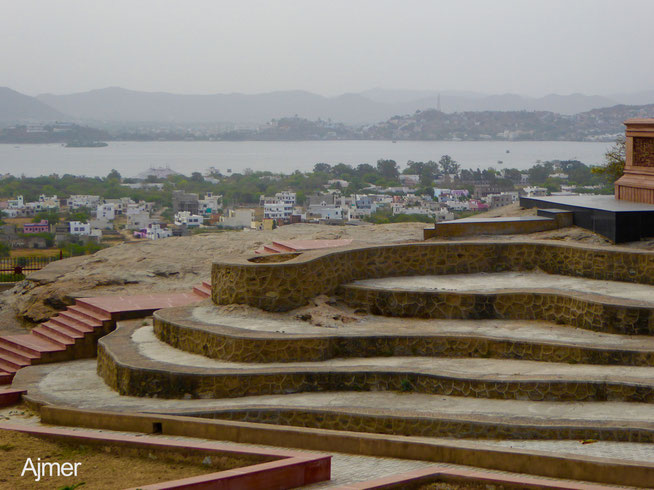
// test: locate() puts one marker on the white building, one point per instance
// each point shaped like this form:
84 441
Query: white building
188 219
238 218
210 203
106 211
138 221
17 203
327 212
279 207
79 228
277 210
155 232
44 203
120 205
83 201
287 197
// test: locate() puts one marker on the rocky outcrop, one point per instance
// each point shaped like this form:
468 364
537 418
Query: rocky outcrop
165 265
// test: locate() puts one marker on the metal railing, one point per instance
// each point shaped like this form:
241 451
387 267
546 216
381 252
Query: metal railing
14 269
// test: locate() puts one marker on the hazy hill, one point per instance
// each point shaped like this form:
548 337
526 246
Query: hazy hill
16 107
121 105
117 104
407 101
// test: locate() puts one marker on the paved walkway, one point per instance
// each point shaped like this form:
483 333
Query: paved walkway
516 280
348 469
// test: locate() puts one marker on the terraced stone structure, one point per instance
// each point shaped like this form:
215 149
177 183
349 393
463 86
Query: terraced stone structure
483 340
282 286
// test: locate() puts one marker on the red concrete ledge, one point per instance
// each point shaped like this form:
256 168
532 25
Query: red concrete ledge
437 473
10 397
285 470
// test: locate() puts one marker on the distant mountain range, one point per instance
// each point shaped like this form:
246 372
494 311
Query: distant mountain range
15 106
118 105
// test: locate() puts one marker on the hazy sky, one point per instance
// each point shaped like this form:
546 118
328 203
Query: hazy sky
531 47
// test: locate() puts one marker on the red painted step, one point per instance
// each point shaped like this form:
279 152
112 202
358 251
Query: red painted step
53 336
271 249
8 349
10 397
202 290
8 367
282 246
5 377
80 310
30 344
97 312
71 324
62 331
75 317
206 284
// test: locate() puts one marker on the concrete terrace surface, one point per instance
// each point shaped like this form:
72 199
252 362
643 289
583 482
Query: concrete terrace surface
77 384
214 318
488 282
346 468
152 348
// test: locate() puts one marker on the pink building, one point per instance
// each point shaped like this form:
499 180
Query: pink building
42 227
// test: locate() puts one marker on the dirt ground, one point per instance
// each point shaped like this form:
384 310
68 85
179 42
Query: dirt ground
35 252
102 467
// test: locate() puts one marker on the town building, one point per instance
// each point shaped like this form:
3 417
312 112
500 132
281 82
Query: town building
41 227
188 219
185 201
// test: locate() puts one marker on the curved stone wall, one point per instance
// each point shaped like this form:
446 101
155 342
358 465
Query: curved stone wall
176 327
409 425
583 311
127 371
287 285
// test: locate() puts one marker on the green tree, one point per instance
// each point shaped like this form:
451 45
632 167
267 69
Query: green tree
448 165
614 161
322 167
388 169
4 249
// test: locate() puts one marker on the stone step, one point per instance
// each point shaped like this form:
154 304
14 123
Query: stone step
224 335
16 361
82 320
72 325
441 416
604 306
202 291
134 351
63 330
283 247
92 315
10 397
405 413
272 249
90 306
31 344
8 366
52 335
9 349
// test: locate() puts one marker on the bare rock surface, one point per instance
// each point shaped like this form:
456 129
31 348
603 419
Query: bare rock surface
163 265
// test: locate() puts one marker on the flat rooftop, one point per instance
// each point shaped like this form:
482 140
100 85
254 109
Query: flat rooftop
603 203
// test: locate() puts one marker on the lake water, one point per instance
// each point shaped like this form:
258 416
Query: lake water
132 158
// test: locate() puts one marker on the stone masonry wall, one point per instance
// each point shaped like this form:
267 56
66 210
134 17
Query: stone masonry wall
287 285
